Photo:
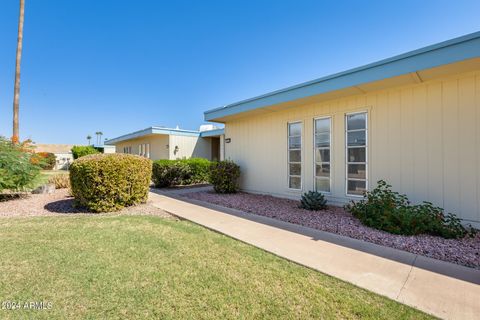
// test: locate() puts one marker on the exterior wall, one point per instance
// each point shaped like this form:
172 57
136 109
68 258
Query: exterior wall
158 146
108 149
189 147
64 160
424 139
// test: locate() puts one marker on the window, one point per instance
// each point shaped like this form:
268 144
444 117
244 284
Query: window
147 150
356 153
322 154
295 155
127 150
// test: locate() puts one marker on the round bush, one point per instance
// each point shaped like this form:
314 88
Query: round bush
224 176
109 182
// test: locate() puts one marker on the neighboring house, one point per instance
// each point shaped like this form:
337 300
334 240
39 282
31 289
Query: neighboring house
104 148
412 120
63 153
167 143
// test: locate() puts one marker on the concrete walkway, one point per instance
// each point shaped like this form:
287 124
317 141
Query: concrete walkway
439 288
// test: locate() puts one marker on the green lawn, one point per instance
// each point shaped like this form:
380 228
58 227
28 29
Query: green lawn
137 267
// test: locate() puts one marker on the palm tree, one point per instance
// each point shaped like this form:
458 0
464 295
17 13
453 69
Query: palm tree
99 137
89 137
16 95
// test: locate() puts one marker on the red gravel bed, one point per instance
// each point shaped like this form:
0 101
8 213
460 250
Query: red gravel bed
464 251
61 203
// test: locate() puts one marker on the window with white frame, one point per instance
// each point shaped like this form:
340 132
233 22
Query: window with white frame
356 153
295 155
322 127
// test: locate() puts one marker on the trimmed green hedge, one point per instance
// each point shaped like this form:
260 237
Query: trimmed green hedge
168 173
109 182
224 176
81 151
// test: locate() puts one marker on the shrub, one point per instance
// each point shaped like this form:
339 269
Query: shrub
392 212
61 181
313 200
46 160
199 170
17 172
168 173
109 182
224 176
81 151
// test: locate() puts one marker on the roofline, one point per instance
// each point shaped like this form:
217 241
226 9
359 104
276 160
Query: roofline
212 133
153 130
450 51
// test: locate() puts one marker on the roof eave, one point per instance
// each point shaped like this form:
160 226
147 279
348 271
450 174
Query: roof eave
447 52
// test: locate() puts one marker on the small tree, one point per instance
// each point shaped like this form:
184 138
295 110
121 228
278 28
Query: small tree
17 172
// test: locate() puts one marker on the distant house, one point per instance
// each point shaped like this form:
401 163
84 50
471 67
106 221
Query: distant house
63 153
412 120
167 143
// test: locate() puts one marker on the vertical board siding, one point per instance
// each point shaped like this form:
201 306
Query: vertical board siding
158 146
467 153
423 139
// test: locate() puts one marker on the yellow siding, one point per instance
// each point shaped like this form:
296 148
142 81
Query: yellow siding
189 147
424 139
163 146
158 146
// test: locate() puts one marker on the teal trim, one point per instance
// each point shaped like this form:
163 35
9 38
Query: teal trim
153 130
454 50
212 133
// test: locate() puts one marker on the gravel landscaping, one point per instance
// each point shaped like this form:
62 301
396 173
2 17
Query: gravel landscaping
61 203
464 251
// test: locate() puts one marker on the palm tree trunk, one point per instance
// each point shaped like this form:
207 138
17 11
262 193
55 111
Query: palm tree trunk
16 96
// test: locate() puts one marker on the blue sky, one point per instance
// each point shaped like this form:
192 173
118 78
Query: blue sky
120 66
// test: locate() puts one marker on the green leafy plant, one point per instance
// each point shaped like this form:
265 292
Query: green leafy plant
166 173
199 170
390 211
224 176
109 182
313 200
17 172
81 151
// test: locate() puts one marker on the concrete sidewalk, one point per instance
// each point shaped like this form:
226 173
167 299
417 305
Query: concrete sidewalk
442 289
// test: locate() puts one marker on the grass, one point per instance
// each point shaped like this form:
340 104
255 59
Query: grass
140 267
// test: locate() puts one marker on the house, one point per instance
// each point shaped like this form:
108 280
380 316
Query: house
167 143
412 120
62 152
